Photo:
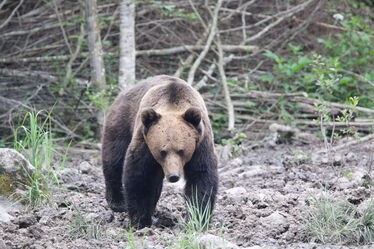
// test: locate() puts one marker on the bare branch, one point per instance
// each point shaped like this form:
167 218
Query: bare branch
288 14
226 91
213 26
11 15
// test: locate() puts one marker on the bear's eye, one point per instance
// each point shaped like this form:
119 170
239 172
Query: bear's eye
163 153
180 152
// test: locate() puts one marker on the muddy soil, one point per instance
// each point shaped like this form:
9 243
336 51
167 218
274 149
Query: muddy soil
262 199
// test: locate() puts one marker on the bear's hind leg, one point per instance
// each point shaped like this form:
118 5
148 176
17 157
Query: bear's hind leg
113 153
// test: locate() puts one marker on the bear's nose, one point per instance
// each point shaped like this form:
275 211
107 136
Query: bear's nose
173 177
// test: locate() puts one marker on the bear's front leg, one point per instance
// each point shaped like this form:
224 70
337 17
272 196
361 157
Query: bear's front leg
202 179
201 189
143 184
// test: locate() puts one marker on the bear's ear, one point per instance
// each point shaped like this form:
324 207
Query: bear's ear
193 116
149 116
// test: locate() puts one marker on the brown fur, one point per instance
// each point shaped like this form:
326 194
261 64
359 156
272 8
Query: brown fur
159 127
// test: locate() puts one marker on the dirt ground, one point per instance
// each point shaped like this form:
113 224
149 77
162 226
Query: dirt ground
262 199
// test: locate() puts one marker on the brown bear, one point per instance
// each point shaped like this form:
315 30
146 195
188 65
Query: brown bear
160 127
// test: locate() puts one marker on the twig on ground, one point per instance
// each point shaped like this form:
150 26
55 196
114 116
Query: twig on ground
349 144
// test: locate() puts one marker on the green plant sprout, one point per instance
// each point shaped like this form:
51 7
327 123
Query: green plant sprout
34 140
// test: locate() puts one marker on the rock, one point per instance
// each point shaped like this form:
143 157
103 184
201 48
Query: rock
275 223
25 221
338 159
237 194
210 241
350 156
85 167
253 171
2 244
5 207
44 220
364 206
146 231
70 175
274 219
14 170
236 162
4 216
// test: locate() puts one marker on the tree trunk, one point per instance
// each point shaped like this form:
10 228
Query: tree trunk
126 75
95 53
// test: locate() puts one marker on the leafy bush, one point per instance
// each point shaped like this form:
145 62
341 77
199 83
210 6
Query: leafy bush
346 68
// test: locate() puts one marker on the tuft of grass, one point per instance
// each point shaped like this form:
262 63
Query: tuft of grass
197 223
132 242
80 226
198 218
33 139
331 221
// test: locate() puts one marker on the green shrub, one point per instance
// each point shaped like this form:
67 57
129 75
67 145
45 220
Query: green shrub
344 70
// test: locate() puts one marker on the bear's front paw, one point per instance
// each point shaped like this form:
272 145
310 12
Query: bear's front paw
119 206
139 223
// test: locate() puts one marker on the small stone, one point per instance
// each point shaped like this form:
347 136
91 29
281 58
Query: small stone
25 221
4 216
350 157
274 219
236 162
210 241
144 231
2 244
85 167
237 194
364 206
325 160
338 159
44 220
37 232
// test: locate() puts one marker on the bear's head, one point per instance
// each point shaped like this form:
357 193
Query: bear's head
172 138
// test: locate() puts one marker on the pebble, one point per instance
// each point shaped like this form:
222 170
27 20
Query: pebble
25 221
85 167
210 241
237 194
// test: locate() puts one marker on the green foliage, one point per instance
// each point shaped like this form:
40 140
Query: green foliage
197 223
171 10
33 138
219 122
331 221
198 218
235 143
343 71
132 242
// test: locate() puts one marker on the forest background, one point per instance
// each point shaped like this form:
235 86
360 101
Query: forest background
297 63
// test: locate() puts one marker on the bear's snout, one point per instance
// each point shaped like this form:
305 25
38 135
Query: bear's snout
173 177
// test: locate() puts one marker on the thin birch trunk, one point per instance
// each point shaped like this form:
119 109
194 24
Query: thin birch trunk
126 75
95 53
